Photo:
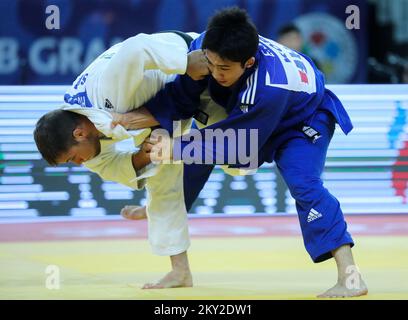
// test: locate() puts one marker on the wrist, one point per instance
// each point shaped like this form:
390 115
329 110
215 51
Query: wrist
140 159
123 122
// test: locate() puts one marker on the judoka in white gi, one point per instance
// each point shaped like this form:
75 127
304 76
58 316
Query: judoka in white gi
81 131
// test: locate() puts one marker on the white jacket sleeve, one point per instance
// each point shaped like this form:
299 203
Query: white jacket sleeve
125 70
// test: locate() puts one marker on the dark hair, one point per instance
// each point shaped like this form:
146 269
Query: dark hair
288 28
232 35
53 133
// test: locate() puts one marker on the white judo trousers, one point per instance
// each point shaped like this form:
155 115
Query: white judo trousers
167 215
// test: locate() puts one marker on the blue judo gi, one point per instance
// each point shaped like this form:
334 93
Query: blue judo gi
283 96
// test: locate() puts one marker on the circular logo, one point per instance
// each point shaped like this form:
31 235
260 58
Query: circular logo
330 45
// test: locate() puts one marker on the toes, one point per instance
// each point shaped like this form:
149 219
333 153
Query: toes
153 286
147 285
132 213
124 213
328 294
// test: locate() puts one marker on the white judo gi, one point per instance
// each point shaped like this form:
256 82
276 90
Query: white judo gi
122 79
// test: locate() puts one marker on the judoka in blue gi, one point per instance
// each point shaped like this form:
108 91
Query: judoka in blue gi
265 86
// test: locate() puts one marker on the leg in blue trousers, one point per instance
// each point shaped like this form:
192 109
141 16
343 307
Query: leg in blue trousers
301 160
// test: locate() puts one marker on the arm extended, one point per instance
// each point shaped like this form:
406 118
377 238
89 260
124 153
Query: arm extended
136 119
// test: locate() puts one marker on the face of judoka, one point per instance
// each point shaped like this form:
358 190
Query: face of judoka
87 144
224 71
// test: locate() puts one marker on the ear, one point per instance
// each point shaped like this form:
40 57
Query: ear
79 133
250 62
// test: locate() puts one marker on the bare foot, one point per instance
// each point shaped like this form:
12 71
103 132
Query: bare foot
341 291
134 212
173 279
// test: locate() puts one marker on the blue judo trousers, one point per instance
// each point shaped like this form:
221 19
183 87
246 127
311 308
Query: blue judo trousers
300 160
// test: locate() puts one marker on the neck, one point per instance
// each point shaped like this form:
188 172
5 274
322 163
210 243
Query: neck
92 129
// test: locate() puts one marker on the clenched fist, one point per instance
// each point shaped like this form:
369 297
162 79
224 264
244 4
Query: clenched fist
160 146
197 67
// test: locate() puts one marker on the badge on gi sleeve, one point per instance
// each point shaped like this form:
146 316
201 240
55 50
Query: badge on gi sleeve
201 116
311 133
244 108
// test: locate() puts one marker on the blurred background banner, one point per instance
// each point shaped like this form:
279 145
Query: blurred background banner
367 170
32 54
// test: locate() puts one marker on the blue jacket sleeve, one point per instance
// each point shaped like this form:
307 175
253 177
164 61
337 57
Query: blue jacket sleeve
178 100
250 130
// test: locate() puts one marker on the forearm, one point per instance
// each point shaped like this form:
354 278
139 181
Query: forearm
179 100
136 119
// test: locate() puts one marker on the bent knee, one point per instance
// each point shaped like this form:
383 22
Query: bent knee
306 190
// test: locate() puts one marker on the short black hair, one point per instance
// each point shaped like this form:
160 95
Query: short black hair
232 35
53 133
288 28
